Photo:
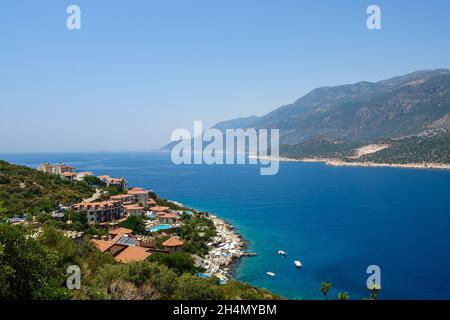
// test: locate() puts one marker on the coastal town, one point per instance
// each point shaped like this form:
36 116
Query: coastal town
161 222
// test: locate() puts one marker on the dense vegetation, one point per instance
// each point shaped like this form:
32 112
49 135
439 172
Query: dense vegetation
180 263
134 223
94 181
27 191
29 270
319 147
33 266
435 149
167 203
197 231
432 148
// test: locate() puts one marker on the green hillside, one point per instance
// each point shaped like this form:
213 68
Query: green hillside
24 190
319 147
434 149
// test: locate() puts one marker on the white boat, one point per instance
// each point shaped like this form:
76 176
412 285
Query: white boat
298 264
271 274
282 253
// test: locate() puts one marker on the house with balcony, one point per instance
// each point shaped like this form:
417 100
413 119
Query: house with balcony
60 168
132 210
120 183
100 212
69 176
123 198
139 196
167 218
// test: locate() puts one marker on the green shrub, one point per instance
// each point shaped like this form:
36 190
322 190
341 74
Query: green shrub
178 262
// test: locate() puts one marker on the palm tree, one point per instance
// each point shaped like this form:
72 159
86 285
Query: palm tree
343 296
374 289
325 288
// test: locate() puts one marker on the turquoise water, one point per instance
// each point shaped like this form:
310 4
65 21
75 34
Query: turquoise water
160 227
336 220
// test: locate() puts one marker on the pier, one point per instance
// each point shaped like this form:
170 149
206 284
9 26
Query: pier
249 254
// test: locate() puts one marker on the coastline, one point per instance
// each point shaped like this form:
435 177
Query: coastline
225 249
248 271
342 163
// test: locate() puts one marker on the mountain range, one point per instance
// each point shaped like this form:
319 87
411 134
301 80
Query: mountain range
409 115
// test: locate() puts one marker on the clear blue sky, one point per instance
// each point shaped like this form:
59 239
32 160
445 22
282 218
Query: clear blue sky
139 69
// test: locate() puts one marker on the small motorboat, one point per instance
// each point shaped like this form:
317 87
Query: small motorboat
282 253
298 264
271 274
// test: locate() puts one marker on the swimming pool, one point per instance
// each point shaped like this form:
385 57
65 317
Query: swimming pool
159 227
207 276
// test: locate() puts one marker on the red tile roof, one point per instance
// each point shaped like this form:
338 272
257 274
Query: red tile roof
86 173
133 207
168 216
69 174
120 196
172 242
157 208
121 231
132 191
102 245
98 205
133 253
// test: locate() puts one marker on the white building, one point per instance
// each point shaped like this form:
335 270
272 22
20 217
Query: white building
132 210
60 168
139 196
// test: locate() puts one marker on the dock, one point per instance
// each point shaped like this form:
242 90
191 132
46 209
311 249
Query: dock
249 254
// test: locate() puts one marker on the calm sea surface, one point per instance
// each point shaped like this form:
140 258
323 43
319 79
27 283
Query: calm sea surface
337 221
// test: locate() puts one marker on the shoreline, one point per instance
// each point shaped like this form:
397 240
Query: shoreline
225 249
343 163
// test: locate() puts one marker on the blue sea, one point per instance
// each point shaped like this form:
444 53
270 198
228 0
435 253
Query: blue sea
336 220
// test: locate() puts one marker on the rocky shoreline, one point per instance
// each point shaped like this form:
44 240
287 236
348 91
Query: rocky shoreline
343 163
224 250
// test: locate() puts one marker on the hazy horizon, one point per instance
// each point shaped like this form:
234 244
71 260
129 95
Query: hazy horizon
135 72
